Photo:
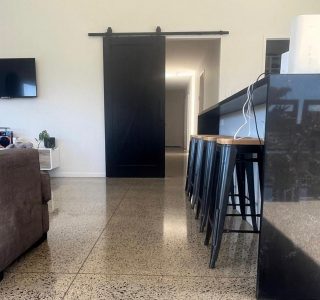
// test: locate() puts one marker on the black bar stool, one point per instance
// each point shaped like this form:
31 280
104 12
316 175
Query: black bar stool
192 162
191 156
198 171
239 155
203 186
208 180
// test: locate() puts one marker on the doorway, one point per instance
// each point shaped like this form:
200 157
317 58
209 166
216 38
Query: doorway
175 117
192 85
274 50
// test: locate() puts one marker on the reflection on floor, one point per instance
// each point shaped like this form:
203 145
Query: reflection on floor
130 239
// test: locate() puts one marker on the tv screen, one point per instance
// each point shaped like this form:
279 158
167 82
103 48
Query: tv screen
18 78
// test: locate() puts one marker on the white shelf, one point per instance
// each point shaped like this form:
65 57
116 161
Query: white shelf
49 158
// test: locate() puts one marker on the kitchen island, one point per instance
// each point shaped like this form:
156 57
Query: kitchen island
288 119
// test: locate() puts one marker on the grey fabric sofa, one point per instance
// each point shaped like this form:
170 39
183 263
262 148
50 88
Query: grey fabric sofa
24 193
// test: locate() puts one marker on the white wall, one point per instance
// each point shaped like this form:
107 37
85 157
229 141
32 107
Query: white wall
230 123
211 68
69 63
175 114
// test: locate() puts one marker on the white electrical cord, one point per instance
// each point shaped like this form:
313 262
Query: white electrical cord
247 113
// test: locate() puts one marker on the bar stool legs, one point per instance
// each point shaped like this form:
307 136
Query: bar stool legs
226 168
188 165
232 195
241 180
252 202
198 173
191 167
210 185
242 157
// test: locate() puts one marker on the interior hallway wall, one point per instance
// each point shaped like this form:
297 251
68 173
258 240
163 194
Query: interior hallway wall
210 65
175 118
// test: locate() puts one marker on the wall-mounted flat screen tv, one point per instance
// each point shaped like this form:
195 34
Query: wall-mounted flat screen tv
18 78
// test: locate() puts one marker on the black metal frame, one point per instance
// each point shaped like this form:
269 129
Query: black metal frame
230 158
157 32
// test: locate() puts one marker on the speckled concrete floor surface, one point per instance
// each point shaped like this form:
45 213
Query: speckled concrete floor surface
130 239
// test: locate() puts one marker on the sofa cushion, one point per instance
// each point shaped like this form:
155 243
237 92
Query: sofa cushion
21 215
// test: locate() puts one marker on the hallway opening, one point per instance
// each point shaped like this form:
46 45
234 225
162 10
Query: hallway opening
192 85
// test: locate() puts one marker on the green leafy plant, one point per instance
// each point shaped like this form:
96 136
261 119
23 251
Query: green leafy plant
43 135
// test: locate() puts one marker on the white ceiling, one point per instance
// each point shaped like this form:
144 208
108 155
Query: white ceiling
184 56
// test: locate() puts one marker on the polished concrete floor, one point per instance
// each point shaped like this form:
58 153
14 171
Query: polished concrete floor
130 239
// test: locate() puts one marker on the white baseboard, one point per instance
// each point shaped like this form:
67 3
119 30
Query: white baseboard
76 174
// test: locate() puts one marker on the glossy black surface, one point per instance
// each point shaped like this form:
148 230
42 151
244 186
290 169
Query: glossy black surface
289 250
18 78
134 81
289 256
209 120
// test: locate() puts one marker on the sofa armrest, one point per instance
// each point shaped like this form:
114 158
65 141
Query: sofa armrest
45 187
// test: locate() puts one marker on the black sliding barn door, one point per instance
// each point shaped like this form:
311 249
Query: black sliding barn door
134 95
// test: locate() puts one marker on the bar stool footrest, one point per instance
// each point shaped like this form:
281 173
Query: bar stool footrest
237 204
240 231
245 215
238 195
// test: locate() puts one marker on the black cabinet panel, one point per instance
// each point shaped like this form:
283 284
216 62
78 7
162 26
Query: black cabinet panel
134 81
289 255
289 248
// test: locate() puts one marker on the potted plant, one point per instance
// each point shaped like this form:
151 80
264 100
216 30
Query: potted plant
44 137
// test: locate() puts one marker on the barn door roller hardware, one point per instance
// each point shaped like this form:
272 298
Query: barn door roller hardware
157 32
